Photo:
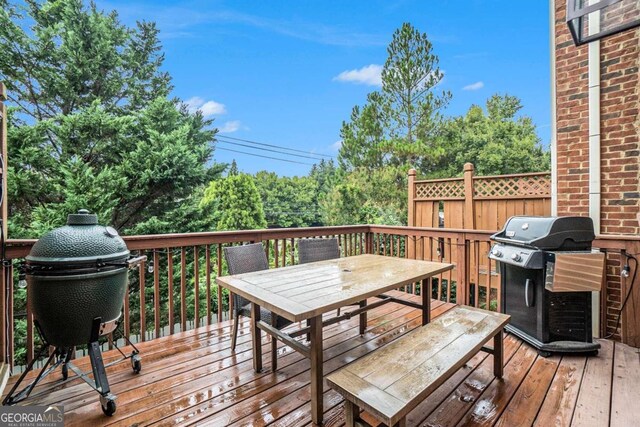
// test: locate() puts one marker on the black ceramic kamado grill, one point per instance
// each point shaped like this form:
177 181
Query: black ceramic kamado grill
529 250
76 284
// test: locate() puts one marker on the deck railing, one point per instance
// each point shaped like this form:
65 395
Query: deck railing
178 278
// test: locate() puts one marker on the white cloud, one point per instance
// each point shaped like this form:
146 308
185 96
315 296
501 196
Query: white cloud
207 108
230 126
474 86
369 75
336 145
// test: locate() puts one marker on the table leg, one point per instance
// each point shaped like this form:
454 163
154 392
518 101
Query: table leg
363 318
425 291
498 358
256 336
316 370
351 414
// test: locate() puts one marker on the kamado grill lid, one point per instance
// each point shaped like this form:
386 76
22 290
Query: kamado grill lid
82 242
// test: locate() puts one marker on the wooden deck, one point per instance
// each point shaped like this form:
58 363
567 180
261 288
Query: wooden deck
193 378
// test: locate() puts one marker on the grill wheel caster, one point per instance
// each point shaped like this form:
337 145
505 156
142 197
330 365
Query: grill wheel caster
108 404
136 364
543 353
65 371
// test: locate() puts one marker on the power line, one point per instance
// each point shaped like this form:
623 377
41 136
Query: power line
266 157
268 149
275 146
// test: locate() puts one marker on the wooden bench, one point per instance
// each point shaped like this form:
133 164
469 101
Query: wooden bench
393 380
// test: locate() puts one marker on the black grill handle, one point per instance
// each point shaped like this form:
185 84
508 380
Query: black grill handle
529 302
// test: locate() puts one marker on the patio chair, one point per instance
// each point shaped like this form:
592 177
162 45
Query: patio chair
245 259
312 250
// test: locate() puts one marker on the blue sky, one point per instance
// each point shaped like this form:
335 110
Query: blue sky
268 71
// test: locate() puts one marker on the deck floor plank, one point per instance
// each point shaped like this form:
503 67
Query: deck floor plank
193 378
557 408
625 408
593 404
523 407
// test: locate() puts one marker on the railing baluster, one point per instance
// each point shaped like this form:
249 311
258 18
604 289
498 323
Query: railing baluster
488 290
127 322
11 319
183 289
156 291
30 351
207 268
143 306
449 243
276 247
293 251
476 279
170 289
284 252
196 287
219 273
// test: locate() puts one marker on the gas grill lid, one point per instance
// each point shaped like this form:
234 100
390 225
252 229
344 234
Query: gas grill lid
548 233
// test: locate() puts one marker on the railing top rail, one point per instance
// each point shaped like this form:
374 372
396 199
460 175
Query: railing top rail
18 248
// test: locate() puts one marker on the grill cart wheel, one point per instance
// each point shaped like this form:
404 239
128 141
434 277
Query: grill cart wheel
108 404
65 371
136 363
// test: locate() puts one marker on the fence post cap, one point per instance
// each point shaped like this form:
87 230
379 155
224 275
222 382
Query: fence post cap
468 167
412 172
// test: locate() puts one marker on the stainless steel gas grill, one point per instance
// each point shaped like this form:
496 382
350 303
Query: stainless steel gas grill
548 272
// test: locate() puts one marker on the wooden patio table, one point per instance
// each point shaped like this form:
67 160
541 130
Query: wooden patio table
307 291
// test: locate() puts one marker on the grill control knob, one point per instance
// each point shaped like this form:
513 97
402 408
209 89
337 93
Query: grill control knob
496 252
516 257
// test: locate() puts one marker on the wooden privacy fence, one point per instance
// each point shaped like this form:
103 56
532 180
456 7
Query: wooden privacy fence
477 202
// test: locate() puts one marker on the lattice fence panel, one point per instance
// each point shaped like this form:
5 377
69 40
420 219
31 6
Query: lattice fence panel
512 187
440 190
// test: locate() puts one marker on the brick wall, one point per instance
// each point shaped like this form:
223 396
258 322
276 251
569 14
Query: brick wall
572 120
619 133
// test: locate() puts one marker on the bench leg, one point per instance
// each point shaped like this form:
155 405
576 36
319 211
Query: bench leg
351 413
363 318
498 361
401 423
425 291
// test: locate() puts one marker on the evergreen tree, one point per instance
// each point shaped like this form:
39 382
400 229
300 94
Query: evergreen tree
91 125
398 123
233 203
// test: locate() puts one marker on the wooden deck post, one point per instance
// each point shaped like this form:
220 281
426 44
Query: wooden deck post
3 208
469 208
411 206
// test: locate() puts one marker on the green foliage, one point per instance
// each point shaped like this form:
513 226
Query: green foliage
496 142
92 126
288 201
233 203
368 197
397 124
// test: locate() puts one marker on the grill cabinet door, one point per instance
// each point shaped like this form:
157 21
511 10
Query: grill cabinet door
522 298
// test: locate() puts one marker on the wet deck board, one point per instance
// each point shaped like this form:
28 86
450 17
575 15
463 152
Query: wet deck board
193 378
